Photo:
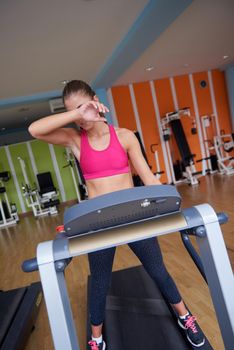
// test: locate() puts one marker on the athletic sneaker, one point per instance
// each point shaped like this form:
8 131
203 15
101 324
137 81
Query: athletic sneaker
193 331
94 346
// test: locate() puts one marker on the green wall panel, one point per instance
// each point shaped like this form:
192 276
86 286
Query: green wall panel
43 163
66 175
10 185
20 150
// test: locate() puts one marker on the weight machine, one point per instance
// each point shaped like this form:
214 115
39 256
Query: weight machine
209 130
136 178
218 146
223 145
80 187
8 211
42 201
154 150
171 124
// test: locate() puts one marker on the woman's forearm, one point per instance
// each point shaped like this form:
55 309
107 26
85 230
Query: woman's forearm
49 124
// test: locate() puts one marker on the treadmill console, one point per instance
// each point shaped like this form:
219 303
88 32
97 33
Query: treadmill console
121 208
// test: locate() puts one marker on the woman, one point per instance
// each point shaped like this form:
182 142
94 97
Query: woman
104 152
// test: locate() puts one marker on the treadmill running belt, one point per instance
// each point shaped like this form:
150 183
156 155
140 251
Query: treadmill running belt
9 304
137 316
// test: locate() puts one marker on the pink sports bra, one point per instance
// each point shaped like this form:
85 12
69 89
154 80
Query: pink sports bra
113 160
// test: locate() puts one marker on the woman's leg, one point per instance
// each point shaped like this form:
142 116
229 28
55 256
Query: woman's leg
100 264
149 253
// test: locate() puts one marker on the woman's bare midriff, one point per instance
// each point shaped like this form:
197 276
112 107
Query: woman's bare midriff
103 185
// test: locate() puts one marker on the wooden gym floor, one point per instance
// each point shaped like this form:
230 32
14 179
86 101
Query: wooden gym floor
19 242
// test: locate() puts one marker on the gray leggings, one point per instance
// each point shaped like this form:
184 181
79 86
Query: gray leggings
149 253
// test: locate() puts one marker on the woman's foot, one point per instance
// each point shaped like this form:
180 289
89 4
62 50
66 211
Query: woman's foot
94 346
193 331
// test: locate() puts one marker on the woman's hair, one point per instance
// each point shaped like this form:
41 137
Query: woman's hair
75 86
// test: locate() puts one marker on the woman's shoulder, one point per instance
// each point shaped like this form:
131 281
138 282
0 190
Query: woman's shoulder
123 132
125 136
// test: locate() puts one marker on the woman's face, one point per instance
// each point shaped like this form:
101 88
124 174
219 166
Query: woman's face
75 101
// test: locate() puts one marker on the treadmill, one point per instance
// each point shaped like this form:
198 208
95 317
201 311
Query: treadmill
18 313
136 314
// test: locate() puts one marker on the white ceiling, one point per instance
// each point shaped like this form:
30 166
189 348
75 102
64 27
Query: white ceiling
196 41
44 42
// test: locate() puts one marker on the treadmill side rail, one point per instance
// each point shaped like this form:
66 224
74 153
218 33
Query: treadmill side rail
57 300
218 272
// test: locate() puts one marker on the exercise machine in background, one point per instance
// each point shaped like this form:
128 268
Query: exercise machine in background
224 145
184 169
77 176
209 130
48 193
136 178
8 211
154 150
18 313
134 315
42 199
218 146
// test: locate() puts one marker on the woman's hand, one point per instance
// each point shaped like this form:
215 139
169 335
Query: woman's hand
90 111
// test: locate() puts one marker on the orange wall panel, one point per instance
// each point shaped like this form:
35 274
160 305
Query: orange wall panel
183 92
221 99
149 125
123 107
164 96
203 94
